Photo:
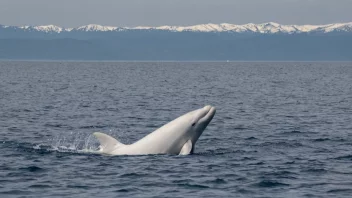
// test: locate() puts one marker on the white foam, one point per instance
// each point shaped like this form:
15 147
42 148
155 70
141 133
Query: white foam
76 143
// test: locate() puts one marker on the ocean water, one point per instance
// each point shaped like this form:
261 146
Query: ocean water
282 129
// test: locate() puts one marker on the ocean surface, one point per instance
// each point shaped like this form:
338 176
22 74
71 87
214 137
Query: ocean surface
282 129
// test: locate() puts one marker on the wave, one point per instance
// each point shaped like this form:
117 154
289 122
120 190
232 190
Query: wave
269 184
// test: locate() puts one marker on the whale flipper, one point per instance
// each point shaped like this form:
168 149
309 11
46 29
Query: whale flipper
187 148
107 143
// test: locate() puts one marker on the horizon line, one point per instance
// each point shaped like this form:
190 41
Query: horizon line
148 26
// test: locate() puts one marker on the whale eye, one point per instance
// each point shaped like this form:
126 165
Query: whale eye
193 124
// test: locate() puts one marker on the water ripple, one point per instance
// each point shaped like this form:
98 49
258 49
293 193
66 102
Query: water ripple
281 129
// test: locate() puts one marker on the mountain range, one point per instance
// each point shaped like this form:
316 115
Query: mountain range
266 41
264 28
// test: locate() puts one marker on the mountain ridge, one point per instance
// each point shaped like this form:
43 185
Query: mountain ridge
266 41
262 28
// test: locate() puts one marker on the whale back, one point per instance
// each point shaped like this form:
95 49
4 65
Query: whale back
167 139
107 143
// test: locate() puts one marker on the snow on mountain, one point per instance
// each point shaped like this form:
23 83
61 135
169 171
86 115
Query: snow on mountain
94 28
341 27
48 28
263 28
42 28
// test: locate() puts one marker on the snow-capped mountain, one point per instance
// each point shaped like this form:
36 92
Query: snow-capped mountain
266 41
93 28
263 28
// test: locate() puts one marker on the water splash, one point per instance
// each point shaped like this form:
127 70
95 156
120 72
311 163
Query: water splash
72 142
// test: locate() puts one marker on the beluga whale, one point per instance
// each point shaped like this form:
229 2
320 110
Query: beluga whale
177 137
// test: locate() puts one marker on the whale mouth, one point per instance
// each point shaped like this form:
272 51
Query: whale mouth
209 114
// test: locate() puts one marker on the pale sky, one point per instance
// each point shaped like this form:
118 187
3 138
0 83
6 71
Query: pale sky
73 13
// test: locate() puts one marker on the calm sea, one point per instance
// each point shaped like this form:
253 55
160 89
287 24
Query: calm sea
281 129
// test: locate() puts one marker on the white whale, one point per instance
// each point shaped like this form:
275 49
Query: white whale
176 137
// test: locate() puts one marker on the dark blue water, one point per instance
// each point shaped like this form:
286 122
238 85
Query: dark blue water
281 129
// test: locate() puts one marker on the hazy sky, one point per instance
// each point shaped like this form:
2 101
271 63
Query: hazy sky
72 13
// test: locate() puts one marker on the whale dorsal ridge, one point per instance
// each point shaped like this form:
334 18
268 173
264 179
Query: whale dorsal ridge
107 143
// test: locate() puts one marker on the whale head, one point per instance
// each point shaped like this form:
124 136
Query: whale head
201 119
190 126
